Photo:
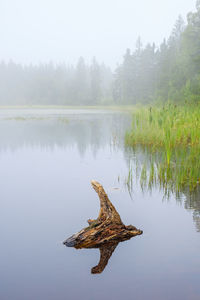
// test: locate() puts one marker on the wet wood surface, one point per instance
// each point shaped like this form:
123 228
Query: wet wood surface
105 232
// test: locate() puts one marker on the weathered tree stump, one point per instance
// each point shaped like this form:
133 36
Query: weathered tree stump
105 232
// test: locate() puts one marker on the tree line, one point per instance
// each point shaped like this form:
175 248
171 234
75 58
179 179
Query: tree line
55 84
170 71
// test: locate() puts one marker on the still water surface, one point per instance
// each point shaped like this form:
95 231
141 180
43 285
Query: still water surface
47 160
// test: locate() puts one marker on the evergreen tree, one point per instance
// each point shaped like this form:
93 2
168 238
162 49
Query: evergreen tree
95 89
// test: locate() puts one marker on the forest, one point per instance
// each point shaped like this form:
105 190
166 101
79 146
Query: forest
99 150
168 72
150 73
59 84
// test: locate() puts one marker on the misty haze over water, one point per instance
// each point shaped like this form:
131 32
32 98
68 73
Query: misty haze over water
161 65
48 159
110 91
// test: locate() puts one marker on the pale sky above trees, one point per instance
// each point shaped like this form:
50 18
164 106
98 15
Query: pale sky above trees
34 31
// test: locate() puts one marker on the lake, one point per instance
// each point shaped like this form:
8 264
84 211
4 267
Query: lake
47 161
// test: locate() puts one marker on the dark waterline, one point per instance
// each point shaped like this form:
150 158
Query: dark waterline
47 160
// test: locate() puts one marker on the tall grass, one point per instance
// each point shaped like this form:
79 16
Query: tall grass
171 134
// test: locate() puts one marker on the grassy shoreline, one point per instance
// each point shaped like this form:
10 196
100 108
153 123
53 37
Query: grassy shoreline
173 132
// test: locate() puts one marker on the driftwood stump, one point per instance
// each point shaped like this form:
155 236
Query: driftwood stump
105 232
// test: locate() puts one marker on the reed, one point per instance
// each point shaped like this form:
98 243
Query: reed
171 134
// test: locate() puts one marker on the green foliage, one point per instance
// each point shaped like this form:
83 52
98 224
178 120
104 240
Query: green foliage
171 133
168 72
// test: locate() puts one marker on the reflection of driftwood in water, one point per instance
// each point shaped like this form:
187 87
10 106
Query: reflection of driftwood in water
105 232
105 253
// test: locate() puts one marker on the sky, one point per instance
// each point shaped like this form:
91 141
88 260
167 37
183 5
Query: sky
39 31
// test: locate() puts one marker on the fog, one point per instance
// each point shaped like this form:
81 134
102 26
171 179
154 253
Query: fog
106 90
62 30
98 53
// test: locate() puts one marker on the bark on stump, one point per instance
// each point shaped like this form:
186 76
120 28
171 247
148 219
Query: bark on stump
105 232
